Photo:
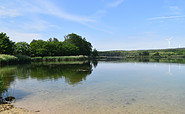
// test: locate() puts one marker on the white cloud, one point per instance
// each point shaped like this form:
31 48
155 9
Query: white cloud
4 12
20 36
97 28
167 17
115 4
30 13
35 24
39 7
49 8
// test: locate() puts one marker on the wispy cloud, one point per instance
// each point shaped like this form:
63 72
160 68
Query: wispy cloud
41 7
167 17
33 21
115 4
4 12
175 10
51 9
18 36
98 28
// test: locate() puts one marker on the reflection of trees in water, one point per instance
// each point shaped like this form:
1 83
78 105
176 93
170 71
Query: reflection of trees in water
72 73
157 60
8 75
1 89
95 63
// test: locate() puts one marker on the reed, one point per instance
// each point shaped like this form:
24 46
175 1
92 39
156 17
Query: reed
8 59
23 59
59 58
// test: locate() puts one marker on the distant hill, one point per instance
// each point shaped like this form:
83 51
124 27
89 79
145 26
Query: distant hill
150 53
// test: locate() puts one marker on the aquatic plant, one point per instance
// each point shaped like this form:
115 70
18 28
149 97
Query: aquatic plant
23 58
8 59
59 58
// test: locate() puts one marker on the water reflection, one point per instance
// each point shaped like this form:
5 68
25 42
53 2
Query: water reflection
115 86
169 69
154 60
72 73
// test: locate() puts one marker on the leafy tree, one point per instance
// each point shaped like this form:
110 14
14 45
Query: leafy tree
85 48
51 46
156 54
22 48
94 53
6 45
53 40
69 49
38 48
144 53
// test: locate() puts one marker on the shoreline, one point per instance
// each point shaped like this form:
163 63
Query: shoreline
11 109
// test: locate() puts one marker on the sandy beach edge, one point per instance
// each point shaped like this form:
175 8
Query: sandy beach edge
10 109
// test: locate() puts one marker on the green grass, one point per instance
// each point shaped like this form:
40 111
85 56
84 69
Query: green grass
59 58
8 59
23 59
61 62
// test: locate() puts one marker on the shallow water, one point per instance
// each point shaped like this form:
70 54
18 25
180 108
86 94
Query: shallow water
110 88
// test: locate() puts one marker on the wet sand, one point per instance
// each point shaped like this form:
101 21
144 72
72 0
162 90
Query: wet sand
10 109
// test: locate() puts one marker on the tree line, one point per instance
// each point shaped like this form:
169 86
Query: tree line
73 44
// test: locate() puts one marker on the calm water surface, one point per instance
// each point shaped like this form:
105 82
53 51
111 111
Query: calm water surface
108 88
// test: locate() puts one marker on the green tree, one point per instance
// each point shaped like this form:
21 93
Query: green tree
51 47
156 54
94 53
85 48
22 48
38 48
144 53
6 45
69 49
53 40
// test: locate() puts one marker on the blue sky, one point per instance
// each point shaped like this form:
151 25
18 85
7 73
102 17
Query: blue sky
107 24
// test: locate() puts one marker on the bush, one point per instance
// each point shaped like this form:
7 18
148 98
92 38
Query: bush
8 59
23 58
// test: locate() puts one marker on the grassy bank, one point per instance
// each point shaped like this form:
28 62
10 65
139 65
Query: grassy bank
8 59
59 58
11 59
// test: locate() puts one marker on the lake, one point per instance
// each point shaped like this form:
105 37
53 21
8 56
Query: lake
104 87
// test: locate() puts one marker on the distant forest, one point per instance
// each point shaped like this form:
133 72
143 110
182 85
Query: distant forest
71 46
160 53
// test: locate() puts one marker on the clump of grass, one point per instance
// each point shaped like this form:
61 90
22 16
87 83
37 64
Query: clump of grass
36 59
23 59
59 58
8 59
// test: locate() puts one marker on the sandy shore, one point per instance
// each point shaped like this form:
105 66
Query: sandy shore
10 109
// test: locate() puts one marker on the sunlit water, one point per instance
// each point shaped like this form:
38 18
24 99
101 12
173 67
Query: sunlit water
110 88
